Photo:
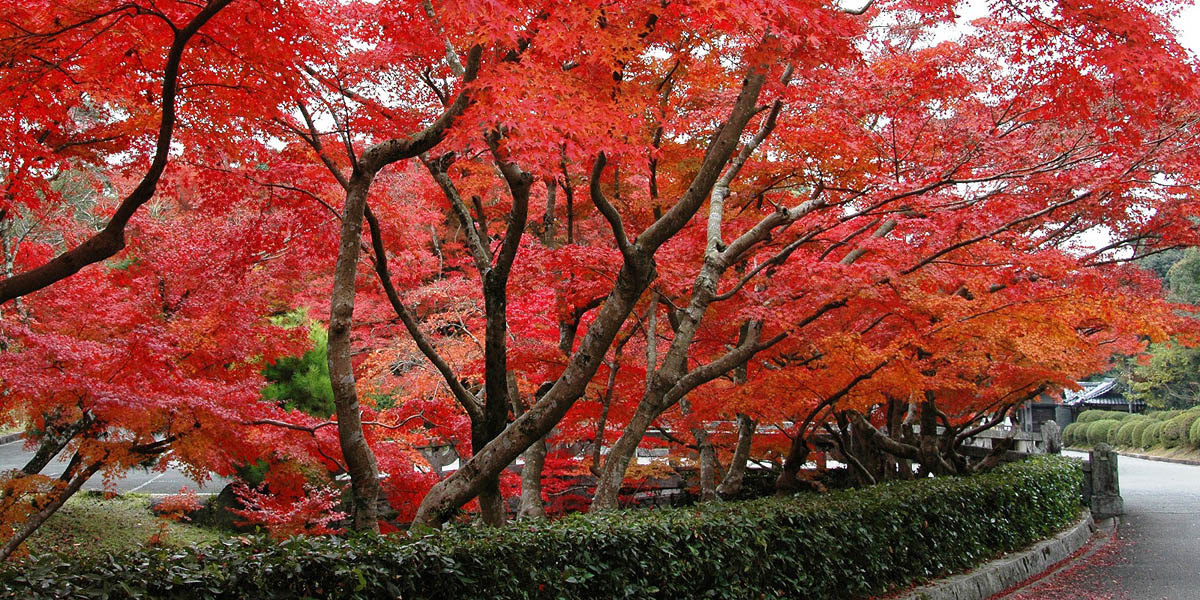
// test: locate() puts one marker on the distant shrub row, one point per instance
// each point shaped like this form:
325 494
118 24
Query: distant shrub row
1167 429
839 545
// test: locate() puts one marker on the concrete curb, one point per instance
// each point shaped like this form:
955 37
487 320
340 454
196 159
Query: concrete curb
1178 461
1004 573
1106 531
10 437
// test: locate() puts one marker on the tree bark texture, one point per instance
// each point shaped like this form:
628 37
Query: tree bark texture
731 484
360 460
637 271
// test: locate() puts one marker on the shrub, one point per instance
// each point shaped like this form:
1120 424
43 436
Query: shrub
1138 428
1097 431
1174 433
1150 435
1124 435
842 544
1165 415
1091 416
1194 434
1073 433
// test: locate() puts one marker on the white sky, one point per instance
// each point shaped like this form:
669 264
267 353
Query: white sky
1188 22
1188 25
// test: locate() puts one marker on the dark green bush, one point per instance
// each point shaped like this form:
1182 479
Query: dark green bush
1175 432
1138 429
1074 433
1097 431
1124 435
1091 416
839 545
1150 435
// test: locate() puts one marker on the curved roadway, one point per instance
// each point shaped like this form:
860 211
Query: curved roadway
1156 555
14 456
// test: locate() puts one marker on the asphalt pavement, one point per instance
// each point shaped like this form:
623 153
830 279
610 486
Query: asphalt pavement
1156 554
144 481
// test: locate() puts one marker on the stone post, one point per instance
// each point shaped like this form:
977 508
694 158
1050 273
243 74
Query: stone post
1106 493
1052 441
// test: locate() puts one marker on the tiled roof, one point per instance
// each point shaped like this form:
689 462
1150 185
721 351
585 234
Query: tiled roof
1092 392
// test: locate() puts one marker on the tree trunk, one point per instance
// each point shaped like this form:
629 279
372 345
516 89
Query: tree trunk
531 506
708 465
549 225
616 462
492 509
36 519
54 440
731 485
495 404
360 460
787 482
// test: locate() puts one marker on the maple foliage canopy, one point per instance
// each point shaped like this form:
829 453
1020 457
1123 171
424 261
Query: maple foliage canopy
585 221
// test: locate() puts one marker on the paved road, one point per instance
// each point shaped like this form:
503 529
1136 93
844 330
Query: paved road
1157 552
14 456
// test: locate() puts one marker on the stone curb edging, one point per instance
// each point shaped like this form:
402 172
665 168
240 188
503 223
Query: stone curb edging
1003 573
1178 461
10 437
1106 531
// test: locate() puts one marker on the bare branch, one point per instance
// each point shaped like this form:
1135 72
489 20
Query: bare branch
111 239
606 208
469 401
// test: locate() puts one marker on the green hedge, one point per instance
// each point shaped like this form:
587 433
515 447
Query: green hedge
1139 429
1074 434
1125 433
1194 433
1166 415
1150 435
844 544
1175 432
1091 416
1097 431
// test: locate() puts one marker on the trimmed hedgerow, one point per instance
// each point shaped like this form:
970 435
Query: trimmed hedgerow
1150 435
1175 432
1125 433
1194 434
1091 416
1165 415
1097 431
1138 429
844 544
1073 433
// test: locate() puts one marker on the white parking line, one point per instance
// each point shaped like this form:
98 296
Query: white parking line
147 482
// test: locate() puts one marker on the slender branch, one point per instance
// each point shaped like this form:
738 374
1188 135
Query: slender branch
469 401
860 10
111 239
324 424
606 208
475 237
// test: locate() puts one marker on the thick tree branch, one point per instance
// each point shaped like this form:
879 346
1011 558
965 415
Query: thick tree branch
469 401
606 208
111 239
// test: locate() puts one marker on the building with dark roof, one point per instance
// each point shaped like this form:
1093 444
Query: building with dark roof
1092 395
